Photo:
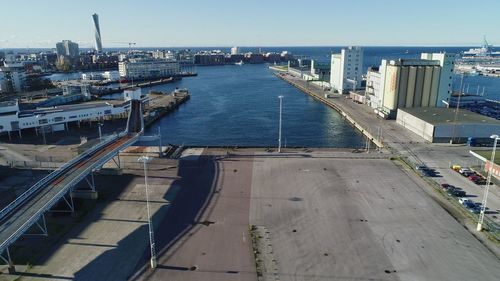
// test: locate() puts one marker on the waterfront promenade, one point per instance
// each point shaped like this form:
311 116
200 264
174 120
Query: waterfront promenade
413 149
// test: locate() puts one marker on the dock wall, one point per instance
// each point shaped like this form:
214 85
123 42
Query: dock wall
331 104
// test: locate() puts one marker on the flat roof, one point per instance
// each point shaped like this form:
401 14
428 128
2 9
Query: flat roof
443 115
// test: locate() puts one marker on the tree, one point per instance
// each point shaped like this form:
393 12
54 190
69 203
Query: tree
63 63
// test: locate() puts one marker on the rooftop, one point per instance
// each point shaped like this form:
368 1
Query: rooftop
441 115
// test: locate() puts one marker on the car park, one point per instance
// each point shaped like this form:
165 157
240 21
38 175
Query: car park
456 192
472 207
464 201
446 186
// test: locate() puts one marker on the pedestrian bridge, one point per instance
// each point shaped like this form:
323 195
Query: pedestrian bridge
28 210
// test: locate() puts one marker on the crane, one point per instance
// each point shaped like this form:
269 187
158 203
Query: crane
130 44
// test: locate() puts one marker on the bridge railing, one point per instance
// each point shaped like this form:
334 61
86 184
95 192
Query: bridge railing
25 195
36 216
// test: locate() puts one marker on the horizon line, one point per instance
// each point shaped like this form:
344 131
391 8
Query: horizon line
250 46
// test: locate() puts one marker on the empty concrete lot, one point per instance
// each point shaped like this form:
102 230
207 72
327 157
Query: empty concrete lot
331 215
334 218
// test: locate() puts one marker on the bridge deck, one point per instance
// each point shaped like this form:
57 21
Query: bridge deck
29 210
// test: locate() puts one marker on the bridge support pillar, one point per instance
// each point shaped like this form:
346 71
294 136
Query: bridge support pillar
8 261
117 161
160 151
86 193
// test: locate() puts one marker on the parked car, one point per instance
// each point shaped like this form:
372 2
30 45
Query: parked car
421 167
464 201
472 207
468 174
456 192
464 169
446 186
474 177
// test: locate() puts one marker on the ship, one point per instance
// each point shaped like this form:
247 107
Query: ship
486 50
239 63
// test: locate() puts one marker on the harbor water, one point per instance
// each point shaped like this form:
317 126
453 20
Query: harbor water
236 105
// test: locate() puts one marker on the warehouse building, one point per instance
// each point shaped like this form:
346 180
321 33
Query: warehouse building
439 124
407 83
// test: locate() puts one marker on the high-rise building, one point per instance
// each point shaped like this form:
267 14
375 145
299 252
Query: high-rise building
67 48
12 78
347 69
235 50
98 42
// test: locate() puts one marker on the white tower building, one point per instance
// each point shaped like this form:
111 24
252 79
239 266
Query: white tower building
98 42
235 50
347 69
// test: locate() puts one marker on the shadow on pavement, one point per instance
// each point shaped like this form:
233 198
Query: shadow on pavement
197 180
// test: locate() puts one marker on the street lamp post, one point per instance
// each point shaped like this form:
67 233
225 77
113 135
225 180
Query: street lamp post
279 134
145 160
488 182
41 127
100 132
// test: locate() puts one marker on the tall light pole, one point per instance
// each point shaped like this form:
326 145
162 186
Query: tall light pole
145 160
279 134
488 182
100 132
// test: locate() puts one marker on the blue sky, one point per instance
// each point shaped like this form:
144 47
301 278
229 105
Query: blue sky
35 23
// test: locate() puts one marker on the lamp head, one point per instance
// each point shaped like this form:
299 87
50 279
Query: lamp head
143 159
494 136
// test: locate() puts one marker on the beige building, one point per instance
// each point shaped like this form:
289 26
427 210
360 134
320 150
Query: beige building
407 83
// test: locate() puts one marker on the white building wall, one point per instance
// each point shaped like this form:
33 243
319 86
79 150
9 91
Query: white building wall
373 83
336 72
348 65
235 51
447 63
148 69
12 122
416 125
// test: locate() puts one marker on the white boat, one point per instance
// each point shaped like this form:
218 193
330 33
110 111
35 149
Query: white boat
239 63
485 51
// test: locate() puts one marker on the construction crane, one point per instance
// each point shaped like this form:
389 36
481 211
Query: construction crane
130 44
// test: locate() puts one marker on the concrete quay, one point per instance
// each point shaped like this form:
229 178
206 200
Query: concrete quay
413 149
313 92
161 104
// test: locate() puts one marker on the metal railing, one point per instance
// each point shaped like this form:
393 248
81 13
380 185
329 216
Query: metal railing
35 217
25 195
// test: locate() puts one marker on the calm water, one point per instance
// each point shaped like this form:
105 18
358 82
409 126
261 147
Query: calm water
239 105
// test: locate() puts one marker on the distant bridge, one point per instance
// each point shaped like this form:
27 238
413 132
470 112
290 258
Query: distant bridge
28 210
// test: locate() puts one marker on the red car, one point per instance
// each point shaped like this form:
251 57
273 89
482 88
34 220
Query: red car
474 178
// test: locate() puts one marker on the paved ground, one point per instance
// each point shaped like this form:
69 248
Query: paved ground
331 214
109 241
205 234
359 219
409 144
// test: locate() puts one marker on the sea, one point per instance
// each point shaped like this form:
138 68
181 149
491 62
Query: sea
235 105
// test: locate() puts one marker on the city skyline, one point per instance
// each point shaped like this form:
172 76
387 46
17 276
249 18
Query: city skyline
224 24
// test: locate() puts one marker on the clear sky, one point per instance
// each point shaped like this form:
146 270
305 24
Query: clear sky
168 23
